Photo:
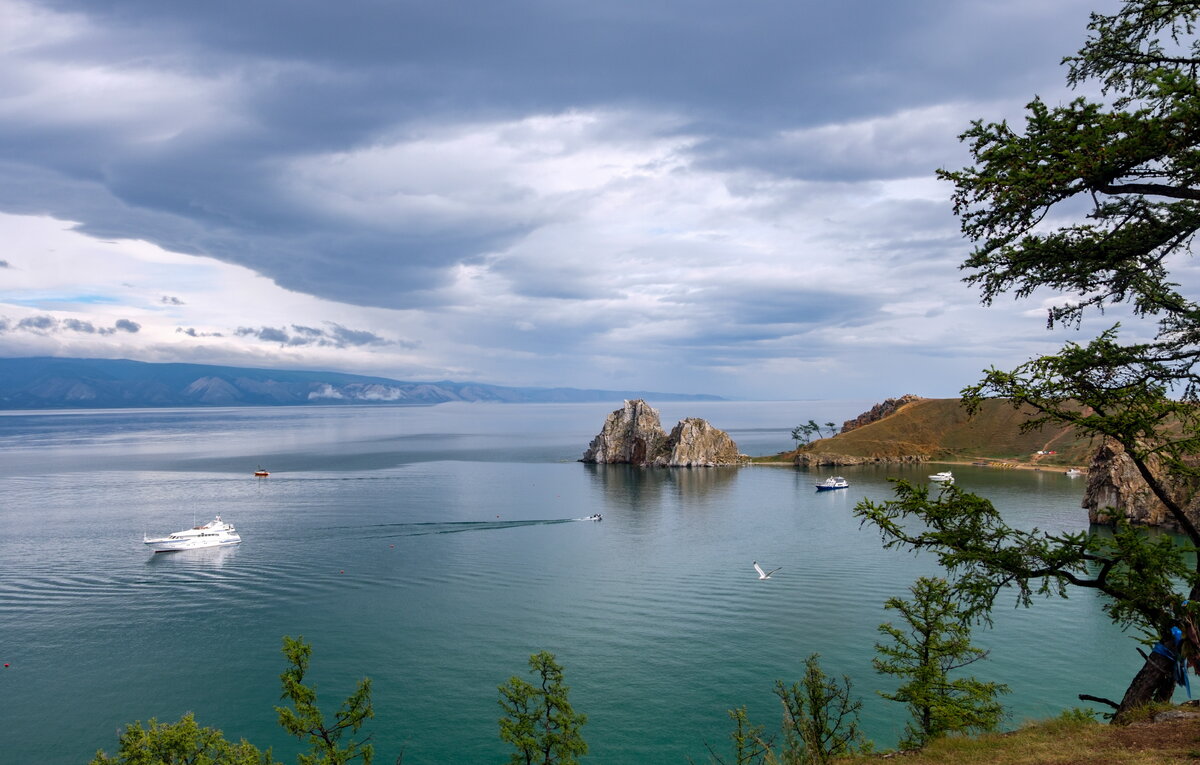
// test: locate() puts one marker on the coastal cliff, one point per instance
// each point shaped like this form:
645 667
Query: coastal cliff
878 412
634 435
1114 484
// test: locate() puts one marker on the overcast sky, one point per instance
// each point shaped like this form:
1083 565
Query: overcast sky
673 195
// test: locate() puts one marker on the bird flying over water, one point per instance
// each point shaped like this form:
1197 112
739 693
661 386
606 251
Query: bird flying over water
764 574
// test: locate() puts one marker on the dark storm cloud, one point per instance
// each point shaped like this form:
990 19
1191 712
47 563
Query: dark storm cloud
277 81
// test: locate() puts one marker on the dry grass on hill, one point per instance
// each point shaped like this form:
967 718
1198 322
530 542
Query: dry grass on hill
1064 742
939 429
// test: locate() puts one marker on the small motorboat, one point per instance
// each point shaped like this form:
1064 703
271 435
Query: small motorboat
834 482
1074 473
260 473
215 533
943 477
594 517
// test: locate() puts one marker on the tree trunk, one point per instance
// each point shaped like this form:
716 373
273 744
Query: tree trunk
1155 681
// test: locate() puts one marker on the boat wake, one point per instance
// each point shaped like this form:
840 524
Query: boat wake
457 527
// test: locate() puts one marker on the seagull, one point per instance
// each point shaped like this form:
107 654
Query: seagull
764 574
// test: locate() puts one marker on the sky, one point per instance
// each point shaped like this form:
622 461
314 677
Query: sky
665 195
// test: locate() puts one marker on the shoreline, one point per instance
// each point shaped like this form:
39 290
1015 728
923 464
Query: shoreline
997 464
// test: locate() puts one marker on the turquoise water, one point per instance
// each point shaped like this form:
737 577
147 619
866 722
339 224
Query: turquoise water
434 549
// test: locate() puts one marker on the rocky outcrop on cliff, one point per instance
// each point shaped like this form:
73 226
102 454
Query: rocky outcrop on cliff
634 435
1114 483
878 412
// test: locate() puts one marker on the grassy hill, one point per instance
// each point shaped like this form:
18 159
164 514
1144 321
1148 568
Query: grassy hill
938 429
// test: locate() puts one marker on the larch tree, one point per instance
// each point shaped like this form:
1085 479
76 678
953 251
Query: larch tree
1096 201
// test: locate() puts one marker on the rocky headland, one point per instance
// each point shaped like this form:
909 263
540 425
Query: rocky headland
634 435
1115 486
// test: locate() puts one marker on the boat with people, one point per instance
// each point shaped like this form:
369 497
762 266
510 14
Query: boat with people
593 517
943 477
1074 473
215 533
831 483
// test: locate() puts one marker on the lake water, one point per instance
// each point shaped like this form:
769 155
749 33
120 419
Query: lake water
434 549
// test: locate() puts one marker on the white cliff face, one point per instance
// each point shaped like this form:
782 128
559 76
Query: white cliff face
634 435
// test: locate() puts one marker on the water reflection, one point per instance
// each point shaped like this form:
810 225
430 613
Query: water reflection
199 558
642 486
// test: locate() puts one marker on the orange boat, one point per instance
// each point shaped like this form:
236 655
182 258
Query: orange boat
261 473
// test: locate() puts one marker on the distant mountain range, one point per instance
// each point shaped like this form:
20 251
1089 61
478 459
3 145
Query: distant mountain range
54 383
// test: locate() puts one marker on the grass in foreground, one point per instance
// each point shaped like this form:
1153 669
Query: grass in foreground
1066 740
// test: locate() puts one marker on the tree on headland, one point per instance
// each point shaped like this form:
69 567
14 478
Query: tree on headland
934 641
1092 201
538 719
800 434
810 430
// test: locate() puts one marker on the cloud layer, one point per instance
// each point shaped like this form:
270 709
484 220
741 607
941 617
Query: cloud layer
688 196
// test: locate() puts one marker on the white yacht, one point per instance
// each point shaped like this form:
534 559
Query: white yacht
943 477
829 484
215 533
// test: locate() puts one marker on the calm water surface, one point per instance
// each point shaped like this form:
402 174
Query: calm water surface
434 549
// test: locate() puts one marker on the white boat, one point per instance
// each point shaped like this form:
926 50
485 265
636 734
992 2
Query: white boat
944 477
594 517
1074 472
215 533
829 484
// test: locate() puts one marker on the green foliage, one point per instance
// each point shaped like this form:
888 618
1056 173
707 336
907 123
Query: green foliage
820 722
820 719
1076 716
305 721
970 540
1093 201
539 721
935 641
810 430
749 746
181 743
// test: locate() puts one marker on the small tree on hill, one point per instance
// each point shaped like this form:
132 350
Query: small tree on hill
539 721
820 719
820 722
934 641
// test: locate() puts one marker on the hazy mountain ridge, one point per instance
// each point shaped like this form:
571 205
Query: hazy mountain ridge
58 383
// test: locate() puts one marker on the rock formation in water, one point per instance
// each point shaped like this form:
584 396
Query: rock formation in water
634 435
878 412
1114 483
